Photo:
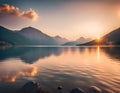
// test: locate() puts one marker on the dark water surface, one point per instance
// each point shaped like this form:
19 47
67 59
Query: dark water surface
67 66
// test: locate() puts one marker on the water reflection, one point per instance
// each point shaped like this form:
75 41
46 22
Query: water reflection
67 66
98 52
113 52
30 54
11 69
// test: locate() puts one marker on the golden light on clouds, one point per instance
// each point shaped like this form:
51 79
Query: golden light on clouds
70 20
31 14
6 9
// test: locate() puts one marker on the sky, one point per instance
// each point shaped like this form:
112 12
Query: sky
67 18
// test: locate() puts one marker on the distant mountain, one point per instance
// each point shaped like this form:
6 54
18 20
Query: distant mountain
60 40
81 40
72 43
33 36
37 37
28 36
112 38
11 37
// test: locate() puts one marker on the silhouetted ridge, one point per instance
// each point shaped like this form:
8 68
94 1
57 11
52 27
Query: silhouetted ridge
30 29
80 40
12 37
112 38
26 36
60 40
37 37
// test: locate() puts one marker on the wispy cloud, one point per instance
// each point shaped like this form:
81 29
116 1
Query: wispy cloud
6 9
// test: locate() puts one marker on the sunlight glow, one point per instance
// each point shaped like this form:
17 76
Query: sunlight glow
98 40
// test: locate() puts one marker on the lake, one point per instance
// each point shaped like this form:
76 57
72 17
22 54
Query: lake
69 67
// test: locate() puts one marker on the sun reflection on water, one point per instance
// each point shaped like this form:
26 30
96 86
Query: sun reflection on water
98 52
80 66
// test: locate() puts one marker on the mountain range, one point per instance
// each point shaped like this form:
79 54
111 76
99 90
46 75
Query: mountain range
12 37
81 40
112 38
60 40
36 36
31 36
28 36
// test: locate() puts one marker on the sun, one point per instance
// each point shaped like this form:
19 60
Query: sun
98 38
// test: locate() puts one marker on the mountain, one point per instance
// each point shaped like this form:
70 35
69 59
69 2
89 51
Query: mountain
37 37
81 40
33 36
112 38
28 36
60 40
12 37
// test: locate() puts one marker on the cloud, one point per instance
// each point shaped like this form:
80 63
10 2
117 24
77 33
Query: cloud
31 14
6 9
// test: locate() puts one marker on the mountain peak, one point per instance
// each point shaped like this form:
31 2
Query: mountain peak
29 28
81 38
60 39
57 36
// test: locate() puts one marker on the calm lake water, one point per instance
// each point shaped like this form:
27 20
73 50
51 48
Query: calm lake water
67 66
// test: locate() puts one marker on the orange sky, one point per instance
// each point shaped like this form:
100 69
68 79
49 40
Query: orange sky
69 19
